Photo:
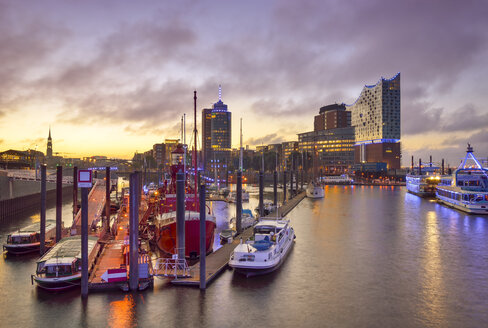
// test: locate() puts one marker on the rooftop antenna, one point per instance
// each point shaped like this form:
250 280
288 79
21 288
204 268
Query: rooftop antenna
220 92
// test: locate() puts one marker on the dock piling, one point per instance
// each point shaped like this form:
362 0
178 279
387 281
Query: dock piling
107 199
180 214
296 182
261 190
203 233
291 183
275 188
284 186
134 192
84 242
43 210
59 201
75 191
239 203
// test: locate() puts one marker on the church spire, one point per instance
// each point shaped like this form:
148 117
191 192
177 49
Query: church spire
49 150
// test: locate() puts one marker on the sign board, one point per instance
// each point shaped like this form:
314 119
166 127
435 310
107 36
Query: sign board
174 256
115 275
84 178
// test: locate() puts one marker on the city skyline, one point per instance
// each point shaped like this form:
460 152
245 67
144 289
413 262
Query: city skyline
122 82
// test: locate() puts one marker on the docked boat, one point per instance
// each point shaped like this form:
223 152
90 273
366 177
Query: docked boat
227 236
232 196
268 208
60 267
247 220
423 185
468 189
166 233
266 250
28 239
343 179
165 236
315 191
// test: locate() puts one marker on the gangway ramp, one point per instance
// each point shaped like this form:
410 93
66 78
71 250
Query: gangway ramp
96 206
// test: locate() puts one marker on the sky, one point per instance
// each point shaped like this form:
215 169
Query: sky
114 77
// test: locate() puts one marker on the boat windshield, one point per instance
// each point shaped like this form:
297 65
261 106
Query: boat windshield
266 229
57 270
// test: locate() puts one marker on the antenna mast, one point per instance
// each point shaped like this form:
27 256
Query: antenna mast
195 146
240 158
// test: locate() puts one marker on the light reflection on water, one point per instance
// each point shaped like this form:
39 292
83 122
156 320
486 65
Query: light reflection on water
364 257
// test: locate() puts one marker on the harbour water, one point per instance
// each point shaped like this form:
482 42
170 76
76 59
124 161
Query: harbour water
363 257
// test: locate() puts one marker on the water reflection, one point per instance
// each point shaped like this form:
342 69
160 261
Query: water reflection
433 290
122 313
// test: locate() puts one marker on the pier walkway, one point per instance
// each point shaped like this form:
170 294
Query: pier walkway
218 260
96 205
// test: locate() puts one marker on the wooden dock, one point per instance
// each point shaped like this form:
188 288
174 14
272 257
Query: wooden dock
218 260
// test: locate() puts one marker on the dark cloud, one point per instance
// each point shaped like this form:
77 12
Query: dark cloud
272 138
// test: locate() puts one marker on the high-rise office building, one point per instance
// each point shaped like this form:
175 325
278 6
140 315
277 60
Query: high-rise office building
376 118
217 128
332 117
206 135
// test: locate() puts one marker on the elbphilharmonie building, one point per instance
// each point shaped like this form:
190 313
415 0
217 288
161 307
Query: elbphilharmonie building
375 115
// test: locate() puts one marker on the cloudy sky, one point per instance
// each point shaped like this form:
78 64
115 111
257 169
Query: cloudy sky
114 77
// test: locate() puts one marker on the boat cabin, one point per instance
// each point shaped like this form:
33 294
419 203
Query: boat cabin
23 238
58 267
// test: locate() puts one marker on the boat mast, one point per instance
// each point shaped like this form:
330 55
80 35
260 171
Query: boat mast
240 156
195 146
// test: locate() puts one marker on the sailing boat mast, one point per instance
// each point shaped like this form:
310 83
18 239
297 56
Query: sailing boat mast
195 146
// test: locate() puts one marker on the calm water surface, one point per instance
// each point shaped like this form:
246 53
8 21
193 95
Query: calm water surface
363 257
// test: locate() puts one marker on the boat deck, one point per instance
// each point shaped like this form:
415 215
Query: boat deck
218 260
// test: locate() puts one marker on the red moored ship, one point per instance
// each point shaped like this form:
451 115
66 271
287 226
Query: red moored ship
165 236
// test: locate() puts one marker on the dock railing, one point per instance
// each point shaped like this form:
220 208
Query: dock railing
171 267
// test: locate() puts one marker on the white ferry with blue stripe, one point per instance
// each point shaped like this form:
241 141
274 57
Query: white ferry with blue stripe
468 189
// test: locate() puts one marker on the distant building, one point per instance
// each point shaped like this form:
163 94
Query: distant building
158 153
217 128
49 150
169 146
334 149
288 147
206 135
376 118
332 117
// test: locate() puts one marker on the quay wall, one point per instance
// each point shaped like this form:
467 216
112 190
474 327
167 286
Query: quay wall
13 188
31 203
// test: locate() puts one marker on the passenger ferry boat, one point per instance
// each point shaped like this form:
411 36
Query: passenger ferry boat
28 239
468 189
315 191
266 250
60 267
423 185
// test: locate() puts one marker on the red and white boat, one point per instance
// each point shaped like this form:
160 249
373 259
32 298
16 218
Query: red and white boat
165 234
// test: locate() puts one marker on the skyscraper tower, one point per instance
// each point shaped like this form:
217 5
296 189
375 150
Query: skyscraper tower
49 151
216 134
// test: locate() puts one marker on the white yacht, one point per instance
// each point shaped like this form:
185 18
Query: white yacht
468 189
315 191
266 250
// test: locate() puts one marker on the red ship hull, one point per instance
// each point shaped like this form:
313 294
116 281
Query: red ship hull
166 237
